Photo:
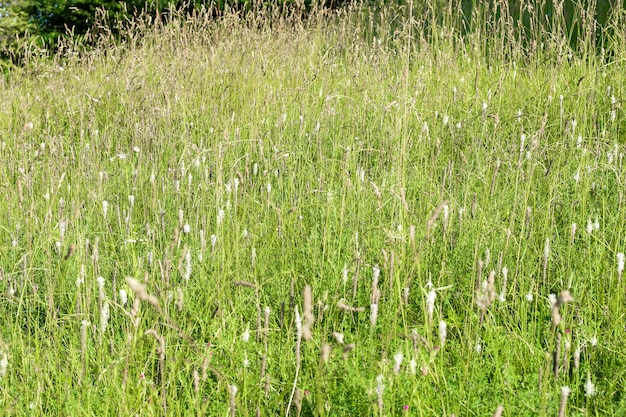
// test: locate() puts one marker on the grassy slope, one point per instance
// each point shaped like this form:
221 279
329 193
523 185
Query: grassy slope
361 140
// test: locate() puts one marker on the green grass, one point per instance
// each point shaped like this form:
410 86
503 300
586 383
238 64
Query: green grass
284 152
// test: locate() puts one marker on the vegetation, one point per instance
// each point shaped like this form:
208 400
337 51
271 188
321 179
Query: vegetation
360 212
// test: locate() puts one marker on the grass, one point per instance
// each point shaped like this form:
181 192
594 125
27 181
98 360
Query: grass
227 165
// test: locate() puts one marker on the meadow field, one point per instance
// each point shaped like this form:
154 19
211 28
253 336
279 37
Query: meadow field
358 212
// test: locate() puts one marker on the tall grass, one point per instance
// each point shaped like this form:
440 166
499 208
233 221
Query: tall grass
357 212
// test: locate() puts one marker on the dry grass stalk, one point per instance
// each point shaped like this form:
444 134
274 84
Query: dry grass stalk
433 218
309 318
246 284
342 306
565 391
232 391
161 353
140 291
346 350
563 298
486 295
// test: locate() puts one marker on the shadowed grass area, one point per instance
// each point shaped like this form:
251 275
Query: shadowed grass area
453 203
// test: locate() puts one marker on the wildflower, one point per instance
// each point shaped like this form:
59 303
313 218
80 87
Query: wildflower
136 149
245 337
375 275
590 388
443 332
338 337
326 348
380 387
552 300
123 297
62 228
233 392
373 314
430 303
307 311
397 358
593 341
565 391
589 227
4 364
577 358
104 316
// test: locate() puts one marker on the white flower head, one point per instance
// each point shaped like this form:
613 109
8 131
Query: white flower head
4 363
373 314
245 337
590 388
379 385
552 300
397 359
443 332
123 297
430 303
104 316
